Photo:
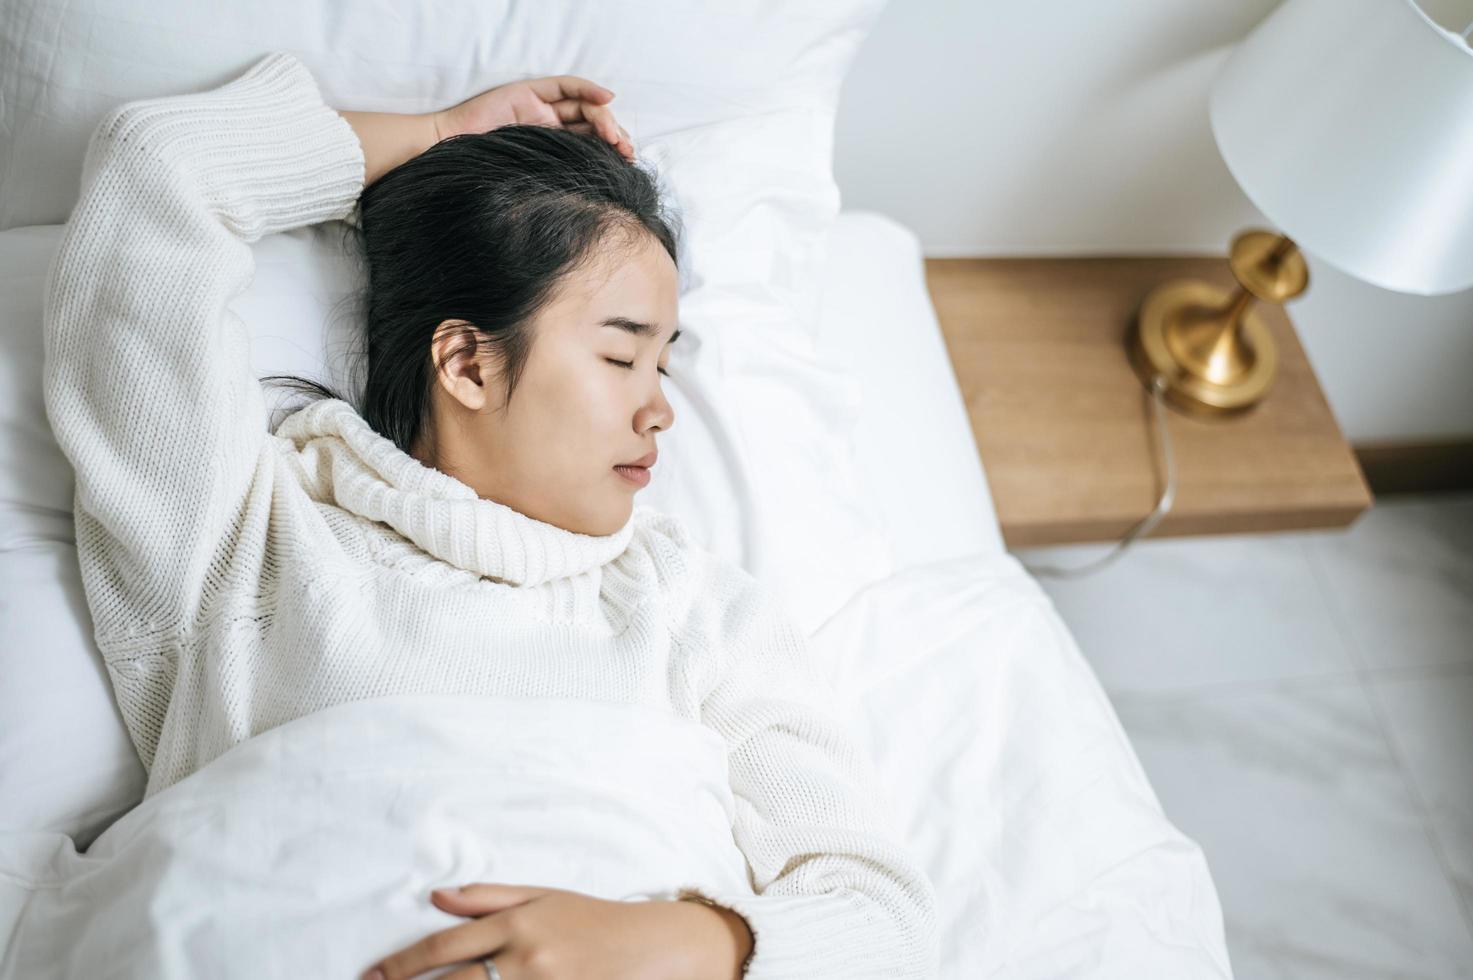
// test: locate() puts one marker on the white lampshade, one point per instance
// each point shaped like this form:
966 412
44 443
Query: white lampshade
1349 123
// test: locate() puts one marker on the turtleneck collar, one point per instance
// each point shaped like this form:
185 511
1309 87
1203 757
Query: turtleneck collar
347 463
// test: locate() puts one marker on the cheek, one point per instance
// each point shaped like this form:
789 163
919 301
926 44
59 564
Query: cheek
577 409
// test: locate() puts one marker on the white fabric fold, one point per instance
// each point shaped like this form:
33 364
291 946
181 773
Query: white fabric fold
311 850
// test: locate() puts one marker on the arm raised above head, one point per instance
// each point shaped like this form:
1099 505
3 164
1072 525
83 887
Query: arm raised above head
148 382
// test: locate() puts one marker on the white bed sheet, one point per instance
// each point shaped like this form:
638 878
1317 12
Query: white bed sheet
1007 765
913 444
1015 784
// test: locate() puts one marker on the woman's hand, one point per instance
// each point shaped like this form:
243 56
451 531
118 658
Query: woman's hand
552 934
566 101
559 101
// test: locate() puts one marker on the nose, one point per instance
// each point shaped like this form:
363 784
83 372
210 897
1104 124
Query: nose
657 413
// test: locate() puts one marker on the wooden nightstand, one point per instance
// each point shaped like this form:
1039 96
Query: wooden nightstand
1064 425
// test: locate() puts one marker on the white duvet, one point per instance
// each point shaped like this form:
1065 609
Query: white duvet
1015 784
311 849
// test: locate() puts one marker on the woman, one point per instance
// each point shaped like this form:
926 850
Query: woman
450 538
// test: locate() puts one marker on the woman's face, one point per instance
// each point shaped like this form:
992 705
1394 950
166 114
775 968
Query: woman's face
576 413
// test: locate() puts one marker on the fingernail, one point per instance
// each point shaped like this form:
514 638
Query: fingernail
374 974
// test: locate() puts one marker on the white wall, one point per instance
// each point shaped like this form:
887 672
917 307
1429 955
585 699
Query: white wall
1074 127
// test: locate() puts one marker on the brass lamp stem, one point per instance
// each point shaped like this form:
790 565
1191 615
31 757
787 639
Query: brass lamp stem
1213 352
1220 354
1231 315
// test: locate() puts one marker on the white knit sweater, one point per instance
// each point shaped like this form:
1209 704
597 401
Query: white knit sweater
238 579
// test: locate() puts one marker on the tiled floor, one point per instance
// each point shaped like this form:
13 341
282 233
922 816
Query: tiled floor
1303 704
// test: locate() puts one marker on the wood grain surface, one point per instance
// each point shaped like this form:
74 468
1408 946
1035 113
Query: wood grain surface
1063 423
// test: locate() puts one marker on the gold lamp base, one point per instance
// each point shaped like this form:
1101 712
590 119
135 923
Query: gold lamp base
1214 356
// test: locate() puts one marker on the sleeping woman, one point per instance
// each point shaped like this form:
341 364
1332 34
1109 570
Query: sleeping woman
470 527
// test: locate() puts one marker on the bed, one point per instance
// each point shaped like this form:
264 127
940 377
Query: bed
817 357
1008 769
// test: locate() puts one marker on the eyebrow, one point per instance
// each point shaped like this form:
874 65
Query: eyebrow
637 327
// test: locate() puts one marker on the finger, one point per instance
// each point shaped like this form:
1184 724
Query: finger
625 146
539 114
476 971
582 118
483 898
603 121
557 87
467 941
599 118
568 110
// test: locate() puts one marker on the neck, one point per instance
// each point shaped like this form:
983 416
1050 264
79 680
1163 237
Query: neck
439 453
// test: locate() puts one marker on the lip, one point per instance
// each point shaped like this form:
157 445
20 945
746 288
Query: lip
647 460
637 475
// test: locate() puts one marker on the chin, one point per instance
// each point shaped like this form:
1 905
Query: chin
610 520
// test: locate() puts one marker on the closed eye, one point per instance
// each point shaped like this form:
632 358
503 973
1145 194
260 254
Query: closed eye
630 365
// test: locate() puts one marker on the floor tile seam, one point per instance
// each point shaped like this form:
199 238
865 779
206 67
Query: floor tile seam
1367 678
1328 678
1424 809
1236 688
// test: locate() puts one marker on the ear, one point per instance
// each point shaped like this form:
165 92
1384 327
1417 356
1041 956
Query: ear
460 358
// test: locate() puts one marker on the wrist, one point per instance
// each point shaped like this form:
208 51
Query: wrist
741 934
732 945
391 138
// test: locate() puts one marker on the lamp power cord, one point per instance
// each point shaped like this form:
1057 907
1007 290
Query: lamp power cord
1147 523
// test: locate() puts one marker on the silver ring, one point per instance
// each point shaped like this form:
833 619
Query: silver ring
491 972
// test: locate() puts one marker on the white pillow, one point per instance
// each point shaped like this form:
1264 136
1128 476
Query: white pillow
66 762
672 65
733 101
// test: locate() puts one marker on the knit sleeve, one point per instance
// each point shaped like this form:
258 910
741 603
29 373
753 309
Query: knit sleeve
148 382
838 893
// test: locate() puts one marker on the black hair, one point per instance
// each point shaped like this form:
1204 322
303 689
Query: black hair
482 227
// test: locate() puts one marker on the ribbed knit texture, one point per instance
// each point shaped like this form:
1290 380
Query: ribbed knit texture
238 579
